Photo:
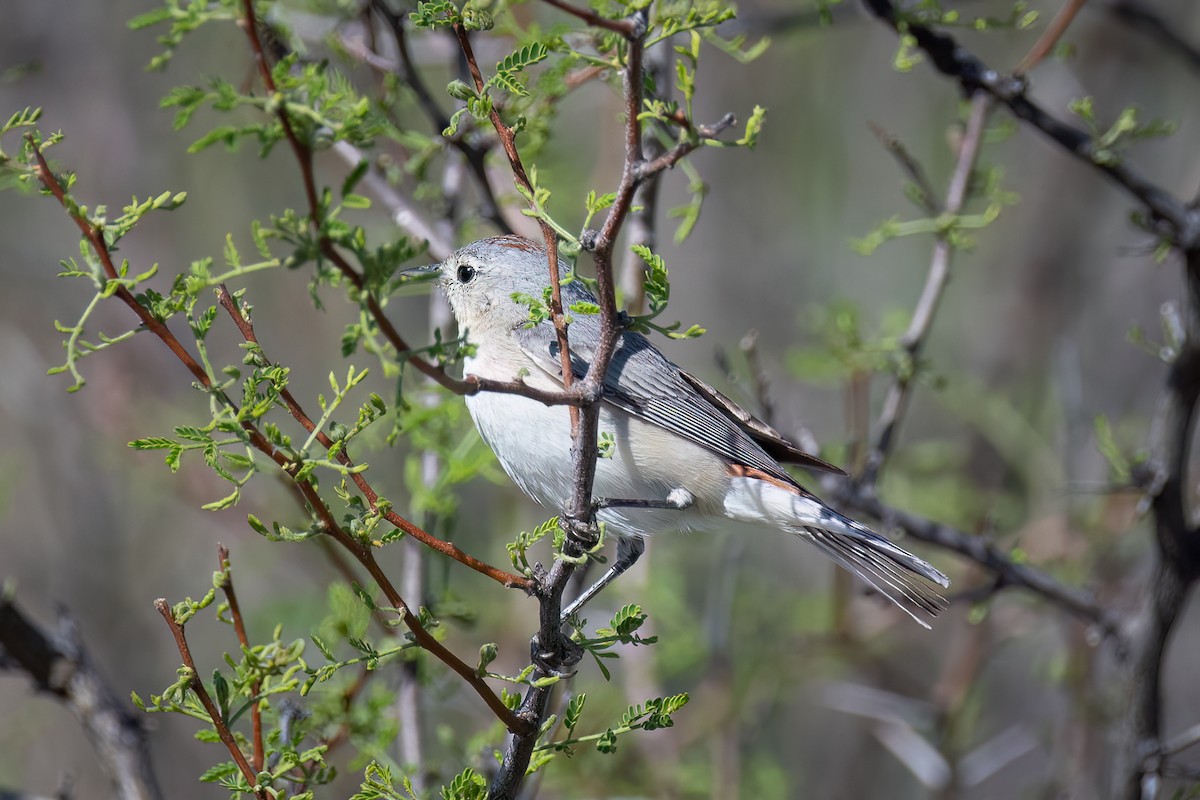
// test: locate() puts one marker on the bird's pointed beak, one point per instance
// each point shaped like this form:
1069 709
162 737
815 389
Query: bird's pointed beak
416 277
424 273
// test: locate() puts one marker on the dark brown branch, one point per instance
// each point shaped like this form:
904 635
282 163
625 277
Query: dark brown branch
1176 564
57 663
954 61
239 628
197 687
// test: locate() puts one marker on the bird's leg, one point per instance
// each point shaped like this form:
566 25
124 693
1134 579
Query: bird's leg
629 550
677 500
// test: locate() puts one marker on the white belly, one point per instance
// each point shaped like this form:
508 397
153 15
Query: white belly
533 443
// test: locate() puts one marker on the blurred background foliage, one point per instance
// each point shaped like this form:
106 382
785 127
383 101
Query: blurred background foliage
800 684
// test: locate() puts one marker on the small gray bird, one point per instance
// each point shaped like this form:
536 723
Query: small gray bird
684 458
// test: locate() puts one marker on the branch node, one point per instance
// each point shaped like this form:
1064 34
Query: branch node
588 239
638 21
564 652
713 131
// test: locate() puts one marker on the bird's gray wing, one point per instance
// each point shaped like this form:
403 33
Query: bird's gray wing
769 439
642 382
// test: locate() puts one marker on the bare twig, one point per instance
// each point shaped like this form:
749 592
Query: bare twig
57 663
214 713
1182 741
1049 37
935 284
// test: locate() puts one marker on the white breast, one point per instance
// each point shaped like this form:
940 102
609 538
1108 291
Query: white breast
533 443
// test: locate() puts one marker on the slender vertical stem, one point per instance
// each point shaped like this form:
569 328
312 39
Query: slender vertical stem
936 279
239 627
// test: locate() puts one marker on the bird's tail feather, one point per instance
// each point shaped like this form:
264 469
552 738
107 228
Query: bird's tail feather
897 574
909 582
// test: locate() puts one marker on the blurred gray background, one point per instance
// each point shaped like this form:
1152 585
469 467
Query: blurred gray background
1032 341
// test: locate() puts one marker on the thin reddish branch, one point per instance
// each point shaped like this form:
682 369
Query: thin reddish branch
365 555
508 141
508 579
1049 38
304 158
360 550
214 713
239 627
625 27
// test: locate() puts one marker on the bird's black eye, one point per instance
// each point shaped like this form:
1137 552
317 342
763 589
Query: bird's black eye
466 273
